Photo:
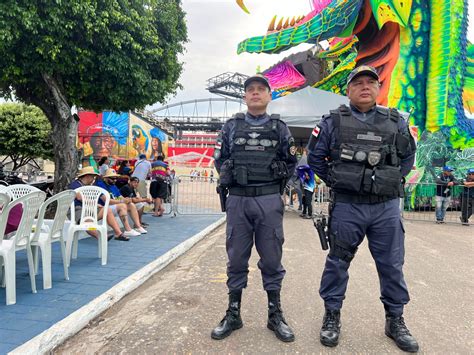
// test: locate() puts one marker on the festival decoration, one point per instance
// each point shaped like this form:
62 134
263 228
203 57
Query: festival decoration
420 50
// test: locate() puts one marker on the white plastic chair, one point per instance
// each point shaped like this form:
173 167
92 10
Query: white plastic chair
88 222
20 240
4 201
19 190
50 231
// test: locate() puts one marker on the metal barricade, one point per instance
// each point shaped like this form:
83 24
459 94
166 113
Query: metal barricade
195 195
320 198
421 201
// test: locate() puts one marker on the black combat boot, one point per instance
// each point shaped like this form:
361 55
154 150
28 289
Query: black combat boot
396 329
329 334
276 321
232 320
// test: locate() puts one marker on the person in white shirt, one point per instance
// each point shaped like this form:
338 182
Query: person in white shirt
104 163
141 171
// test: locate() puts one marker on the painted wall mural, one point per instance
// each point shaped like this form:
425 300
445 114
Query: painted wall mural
119 135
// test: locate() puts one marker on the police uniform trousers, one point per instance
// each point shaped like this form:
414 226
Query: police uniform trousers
382 224
254 219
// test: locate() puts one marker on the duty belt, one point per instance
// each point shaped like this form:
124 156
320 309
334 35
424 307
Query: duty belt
348 198
252 191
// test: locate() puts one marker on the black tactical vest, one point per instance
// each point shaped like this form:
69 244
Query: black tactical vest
254 151
364 159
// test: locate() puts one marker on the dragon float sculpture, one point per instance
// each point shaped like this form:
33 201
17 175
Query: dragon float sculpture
420 50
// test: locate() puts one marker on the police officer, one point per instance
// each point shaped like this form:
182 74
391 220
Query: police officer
255 156
363 153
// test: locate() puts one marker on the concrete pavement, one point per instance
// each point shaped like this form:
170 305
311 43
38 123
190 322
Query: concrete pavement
176 309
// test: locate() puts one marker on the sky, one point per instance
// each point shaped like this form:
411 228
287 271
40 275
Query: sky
215 27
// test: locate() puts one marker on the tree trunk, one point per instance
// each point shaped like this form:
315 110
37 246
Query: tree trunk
64 133
65 152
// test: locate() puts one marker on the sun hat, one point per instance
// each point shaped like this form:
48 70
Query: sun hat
110 173
87 170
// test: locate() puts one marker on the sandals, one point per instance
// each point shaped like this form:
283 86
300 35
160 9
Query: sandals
122 238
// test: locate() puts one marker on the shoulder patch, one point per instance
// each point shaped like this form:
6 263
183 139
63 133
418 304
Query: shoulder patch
316 131
383 110
291 146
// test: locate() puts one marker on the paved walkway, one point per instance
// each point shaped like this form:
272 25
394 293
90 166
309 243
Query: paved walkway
174 312
34 313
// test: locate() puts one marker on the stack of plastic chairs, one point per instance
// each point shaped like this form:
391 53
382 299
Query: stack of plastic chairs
19 240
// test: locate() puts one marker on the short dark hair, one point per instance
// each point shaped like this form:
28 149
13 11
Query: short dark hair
134 178
102 160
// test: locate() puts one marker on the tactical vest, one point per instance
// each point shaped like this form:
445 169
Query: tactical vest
254 151
364 159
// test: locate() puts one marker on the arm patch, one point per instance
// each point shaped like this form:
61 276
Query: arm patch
291 146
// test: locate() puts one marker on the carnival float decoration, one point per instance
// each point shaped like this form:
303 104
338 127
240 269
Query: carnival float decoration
420 50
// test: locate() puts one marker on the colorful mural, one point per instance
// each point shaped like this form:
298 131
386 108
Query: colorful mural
119 135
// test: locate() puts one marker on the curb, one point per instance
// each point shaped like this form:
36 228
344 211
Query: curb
76 321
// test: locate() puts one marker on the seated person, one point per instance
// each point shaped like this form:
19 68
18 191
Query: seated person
124 168
85 177
130 191
13 221
124 171
119 205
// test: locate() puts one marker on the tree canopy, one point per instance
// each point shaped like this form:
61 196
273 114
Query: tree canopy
117 55
25 134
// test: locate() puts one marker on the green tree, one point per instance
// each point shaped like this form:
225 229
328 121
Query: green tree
25 134
94 54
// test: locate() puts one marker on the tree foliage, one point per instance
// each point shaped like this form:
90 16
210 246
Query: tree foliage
25 133
95 54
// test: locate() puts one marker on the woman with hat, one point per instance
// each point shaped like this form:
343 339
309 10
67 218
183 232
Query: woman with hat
86 177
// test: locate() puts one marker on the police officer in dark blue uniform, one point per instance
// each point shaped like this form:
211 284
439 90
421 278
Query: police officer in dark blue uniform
255 156
363 152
